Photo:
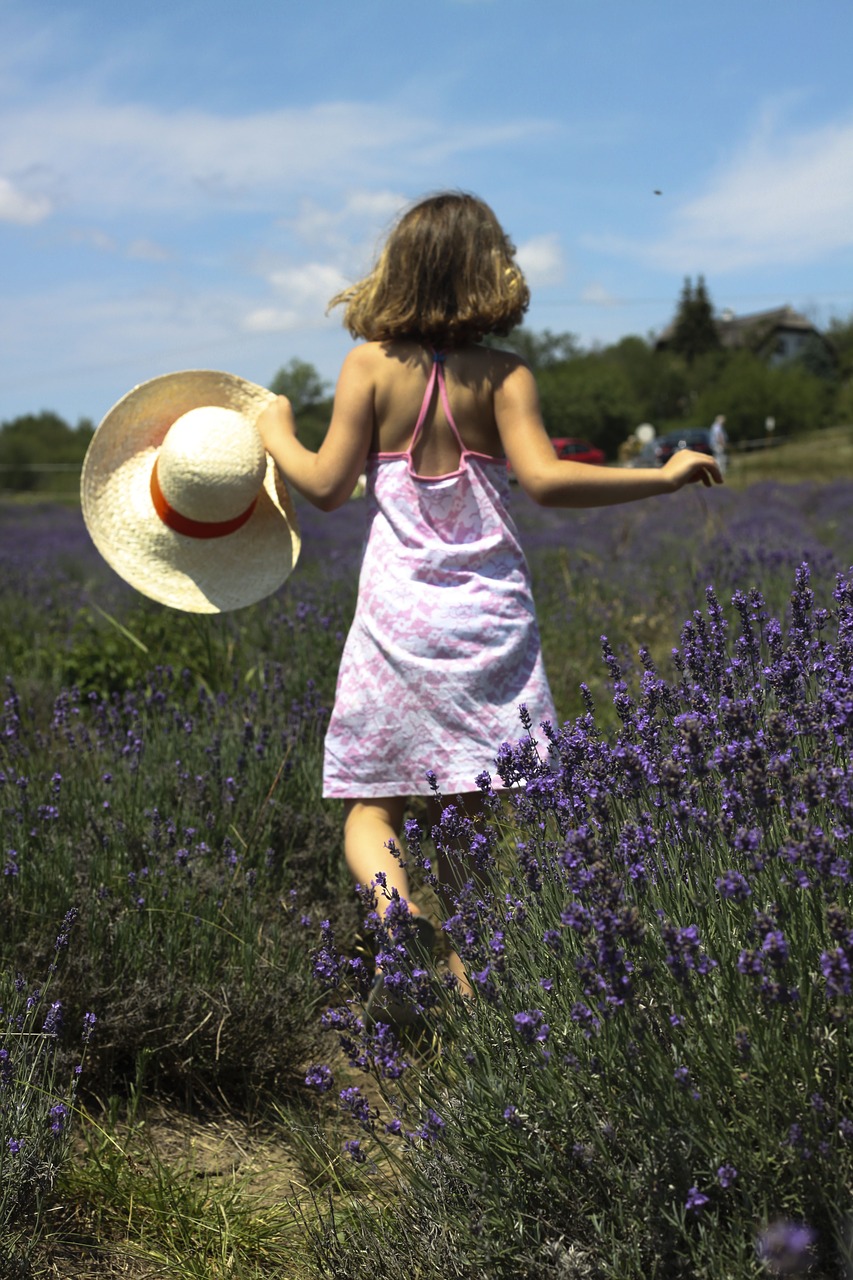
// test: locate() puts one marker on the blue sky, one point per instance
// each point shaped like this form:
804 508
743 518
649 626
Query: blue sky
185 184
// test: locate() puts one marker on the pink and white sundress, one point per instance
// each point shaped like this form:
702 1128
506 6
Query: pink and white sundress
444 645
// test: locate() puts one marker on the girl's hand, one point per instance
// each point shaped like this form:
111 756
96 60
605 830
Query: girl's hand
688 467
275 422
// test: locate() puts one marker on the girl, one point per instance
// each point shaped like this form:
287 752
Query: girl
444 644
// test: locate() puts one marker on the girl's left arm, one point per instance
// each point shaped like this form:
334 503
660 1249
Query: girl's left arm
327 477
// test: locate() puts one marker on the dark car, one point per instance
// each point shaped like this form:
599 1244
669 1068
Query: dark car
696 438
578 450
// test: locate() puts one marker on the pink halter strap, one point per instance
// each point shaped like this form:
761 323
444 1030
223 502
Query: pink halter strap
436 375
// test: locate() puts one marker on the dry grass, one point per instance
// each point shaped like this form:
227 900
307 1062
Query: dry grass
820 456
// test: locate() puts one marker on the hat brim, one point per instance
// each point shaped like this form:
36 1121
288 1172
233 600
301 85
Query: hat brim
197 575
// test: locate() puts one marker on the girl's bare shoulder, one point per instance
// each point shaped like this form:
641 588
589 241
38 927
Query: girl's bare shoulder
493 362
392 365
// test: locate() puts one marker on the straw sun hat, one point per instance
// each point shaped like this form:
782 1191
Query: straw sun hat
181 498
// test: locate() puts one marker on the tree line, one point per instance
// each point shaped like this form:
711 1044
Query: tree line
601 394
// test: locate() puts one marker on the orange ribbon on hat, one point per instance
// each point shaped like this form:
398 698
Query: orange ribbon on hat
194 528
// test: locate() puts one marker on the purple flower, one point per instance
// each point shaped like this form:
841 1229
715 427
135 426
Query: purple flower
696 1200
726 1175
432 1126
787 1248
354 1102
733 886
320 1077
685 954
835 967
53 1021
58 1114
682 1078
531 1026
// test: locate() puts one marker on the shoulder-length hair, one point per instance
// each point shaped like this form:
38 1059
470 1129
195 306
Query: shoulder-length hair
447 276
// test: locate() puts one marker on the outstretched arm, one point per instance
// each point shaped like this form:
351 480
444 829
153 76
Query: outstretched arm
557 482
327 477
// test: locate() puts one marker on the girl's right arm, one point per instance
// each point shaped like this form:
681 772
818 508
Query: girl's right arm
558 482
327 477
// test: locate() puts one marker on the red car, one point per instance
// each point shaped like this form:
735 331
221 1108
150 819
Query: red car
578 450
574 449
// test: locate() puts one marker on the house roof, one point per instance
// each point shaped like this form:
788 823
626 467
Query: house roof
737 331
753 329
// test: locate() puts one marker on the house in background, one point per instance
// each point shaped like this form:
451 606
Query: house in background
777 336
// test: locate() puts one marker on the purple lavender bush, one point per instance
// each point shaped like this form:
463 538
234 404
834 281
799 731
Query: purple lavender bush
188 826
657 1065
38 1088
634 572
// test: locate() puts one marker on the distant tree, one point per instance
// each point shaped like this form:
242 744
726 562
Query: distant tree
748 391
32 440
540 350
302 385
308 393
694 332
840 334
817 358
842 410
590 397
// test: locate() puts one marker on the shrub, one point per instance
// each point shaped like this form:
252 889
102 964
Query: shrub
658 1057
36 1103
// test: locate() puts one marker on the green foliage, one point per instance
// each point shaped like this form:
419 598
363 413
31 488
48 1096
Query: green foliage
301 383
747 390
181 809
657 1062
37 1097
539 350
36 448
107 656
840 334
843 407
694 332
817 358
588 397
308 395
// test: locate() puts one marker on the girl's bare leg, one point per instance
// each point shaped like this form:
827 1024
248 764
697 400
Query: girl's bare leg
452 874
368 827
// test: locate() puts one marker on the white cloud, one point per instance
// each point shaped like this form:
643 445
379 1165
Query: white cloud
19 207
784 198
305 291
118 157
350 227
147 251
542 261
95 238
271 320
599 296
310 283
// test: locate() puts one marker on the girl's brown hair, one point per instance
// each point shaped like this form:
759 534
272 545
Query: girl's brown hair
447 276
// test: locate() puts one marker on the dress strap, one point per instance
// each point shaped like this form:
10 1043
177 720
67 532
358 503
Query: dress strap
436 375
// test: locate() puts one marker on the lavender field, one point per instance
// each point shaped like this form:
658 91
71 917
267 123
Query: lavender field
654 1078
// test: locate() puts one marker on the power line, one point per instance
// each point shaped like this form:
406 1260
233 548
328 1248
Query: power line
602 305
